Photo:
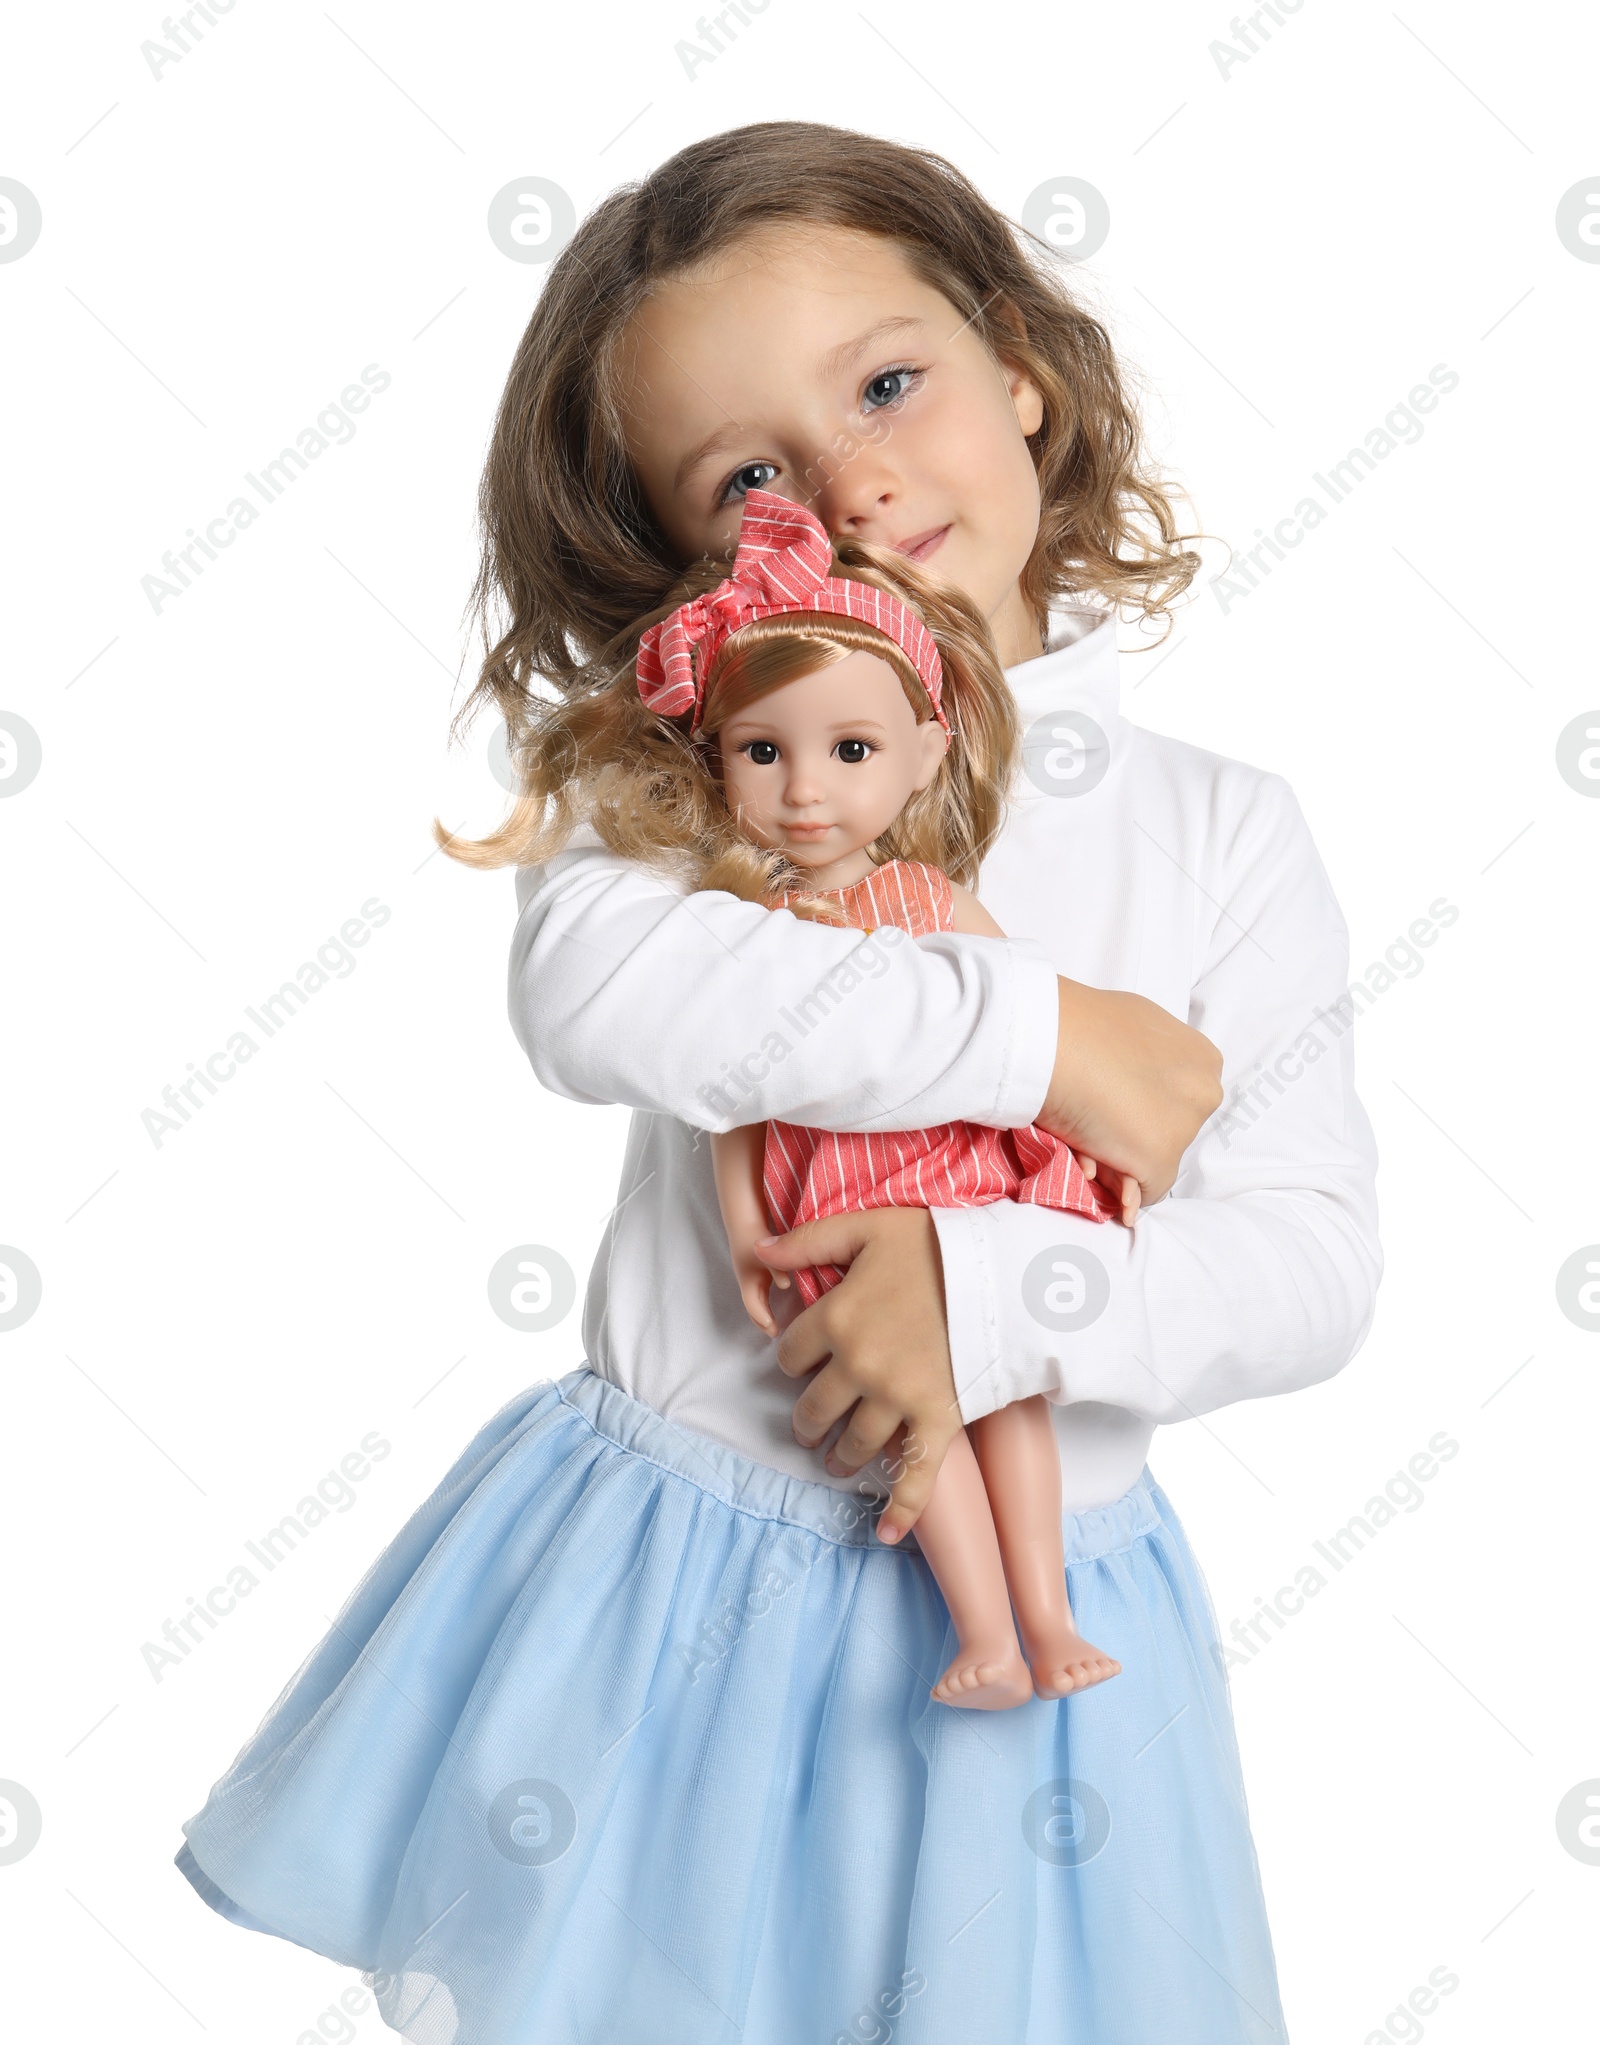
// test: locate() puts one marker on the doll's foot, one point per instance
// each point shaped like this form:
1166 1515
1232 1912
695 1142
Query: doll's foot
985 1679
1069 1662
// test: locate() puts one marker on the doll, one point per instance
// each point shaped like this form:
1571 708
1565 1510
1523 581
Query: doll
817 700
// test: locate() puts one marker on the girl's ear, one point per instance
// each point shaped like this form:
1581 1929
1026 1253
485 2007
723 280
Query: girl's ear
1027 399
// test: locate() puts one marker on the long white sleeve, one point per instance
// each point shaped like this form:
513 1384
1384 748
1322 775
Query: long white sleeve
1127 860
1258 1274
625 990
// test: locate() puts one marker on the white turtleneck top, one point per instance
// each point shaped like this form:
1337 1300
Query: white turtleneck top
1127 861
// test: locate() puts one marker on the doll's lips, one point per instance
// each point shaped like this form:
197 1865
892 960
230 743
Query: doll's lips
921 545
807 833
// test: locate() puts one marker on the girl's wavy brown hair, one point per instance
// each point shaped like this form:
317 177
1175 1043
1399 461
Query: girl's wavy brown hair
570 552
593 754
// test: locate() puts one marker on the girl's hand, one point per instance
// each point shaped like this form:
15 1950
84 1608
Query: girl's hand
1131 1086
880 1338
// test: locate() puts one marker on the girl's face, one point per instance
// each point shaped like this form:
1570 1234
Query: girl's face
820 767
810 360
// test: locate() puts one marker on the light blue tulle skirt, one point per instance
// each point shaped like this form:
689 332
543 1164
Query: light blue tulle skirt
625 1737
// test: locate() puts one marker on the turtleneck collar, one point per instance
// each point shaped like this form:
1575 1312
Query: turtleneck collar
1079 667
1067 705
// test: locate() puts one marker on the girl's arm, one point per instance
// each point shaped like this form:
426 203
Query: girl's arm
737 1156
721 1012
974 920
1259 1275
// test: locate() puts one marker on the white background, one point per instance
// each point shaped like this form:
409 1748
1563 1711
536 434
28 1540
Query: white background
1292 248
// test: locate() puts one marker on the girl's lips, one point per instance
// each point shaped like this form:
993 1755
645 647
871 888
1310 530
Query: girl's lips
808 831
921 545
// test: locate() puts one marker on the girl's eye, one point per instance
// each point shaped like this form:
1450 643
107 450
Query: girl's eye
762 752
746 479
853 751
888 387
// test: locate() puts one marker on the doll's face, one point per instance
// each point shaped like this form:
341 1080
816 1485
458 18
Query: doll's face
811 361
819 768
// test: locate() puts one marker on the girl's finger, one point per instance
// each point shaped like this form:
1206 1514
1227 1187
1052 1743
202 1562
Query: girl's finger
827 1398
806 1342
831 1239
911 1491
870 1427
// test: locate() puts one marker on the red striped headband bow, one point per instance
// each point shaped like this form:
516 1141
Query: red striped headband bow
781 565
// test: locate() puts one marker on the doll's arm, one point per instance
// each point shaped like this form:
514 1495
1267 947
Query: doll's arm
736 1162
969 915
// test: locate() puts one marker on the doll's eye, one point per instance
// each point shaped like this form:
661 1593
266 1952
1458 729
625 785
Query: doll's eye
748 478
853 751
888 387
762 752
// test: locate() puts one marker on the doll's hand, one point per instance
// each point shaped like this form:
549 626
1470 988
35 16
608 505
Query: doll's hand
755 1288
1121 1188
880 1338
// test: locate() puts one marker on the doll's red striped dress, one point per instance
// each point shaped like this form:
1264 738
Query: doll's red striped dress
811 1172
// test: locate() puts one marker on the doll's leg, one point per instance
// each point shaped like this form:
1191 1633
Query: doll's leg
956 1534
1015 1449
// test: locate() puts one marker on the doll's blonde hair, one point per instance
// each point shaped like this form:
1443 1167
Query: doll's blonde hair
591 753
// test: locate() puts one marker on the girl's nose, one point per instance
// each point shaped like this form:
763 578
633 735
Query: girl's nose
860 496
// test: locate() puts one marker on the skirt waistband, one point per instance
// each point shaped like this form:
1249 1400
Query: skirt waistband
844 1517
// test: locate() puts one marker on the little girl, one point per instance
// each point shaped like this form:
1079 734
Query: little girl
822 705
628 1733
